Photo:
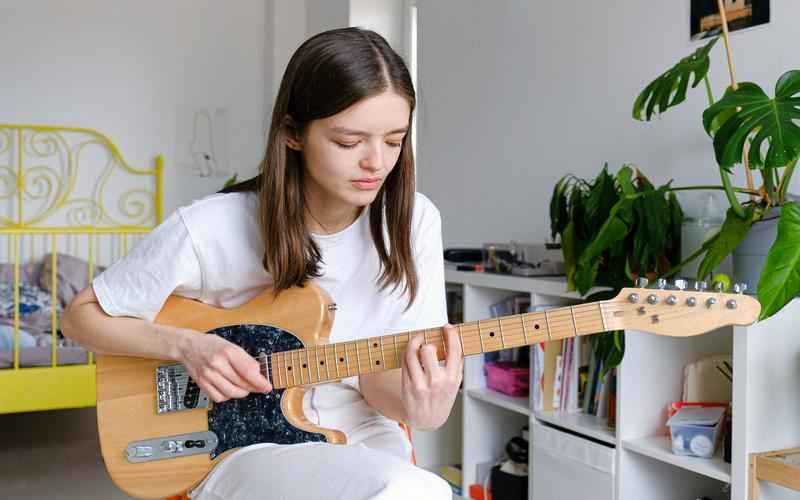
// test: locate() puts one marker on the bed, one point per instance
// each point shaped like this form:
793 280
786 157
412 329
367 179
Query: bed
70 205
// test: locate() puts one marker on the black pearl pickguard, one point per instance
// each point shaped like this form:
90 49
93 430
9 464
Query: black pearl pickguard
256 418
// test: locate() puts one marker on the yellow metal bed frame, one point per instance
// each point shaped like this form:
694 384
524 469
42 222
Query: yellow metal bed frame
41 166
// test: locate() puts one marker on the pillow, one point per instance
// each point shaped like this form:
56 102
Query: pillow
33 301
73 276
28 273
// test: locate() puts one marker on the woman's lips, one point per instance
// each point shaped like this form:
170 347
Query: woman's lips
366 184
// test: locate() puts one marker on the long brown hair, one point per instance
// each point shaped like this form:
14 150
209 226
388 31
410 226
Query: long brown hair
327 74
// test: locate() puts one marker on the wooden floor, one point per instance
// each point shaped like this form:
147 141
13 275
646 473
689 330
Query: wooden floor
53 455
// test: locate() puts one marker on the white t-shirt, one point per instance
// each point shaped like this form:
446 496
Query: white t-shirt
212 250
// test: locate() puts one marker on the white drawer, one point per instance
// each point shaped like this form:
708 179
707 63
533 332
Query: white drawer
568 467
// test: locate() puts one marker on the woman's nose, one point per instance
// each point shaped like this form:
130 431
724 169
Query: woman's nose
373 159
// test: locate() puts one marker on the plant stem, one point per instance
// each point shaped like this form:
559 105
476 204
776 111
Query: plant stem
787 176
708 90
693 188
729 192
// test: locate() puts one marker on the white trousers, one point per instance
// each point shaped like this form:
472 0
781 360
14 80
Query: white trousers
375 464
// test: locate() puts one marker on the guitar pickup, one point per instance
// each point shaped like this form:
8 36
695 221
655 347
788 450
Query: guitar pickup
176 391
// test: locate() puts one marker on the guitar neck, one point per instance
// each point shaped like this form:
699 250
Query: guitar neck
330 362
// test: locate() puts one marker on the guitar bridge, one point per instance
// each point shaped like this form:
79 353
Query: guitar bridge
176 391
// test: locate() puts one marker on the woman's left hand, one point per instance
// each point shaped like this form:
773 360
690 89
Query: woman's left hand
428 389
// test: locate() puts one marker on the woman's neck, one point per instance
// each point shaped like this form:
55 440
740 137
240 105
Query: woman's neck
330 220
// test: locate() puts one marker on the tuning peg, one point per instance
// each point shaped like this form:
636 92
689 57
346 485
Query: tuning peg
661 283
680 284
740 287
719 286
700 286
642 282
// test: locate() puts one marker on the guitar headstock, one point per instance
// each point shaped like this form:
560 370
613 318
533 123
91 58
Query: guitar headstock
673 310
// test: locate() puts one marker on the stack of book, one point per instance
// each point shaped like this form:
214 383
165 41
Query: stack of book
566 376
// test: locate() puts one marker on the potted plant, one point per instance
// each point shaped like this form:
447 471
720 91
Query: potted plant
759 132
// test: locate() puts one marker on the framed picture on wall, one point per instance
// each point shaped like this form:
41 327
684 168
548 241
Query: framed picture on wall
706 21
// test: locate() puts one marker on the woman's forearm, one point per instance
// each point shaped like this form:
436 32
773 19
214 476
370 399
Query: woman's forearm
85 322
382 391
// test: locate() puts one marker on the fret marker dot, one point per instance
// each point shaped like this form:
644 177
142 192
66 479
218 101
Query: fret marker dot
304 365
491 334
341 360
322 362
375 344
536 327
377 361
289 368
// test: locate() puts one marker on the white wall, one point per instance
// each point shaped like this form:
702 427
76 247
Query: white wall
385 17
133 69
514 94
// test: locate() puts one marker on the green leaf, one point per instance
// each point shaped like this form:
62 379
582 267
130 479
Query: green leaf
559 216
616 227
570 254
624 178
669 89
767 123
719 246
601 199
780 280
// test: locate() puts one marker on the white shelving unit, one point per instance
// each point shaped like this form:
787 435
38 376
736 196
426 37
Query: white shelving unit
766 399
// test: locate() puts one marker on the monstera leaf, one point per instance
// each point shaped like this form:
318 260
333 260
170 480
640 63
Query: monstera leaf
769 123
669 89
780 279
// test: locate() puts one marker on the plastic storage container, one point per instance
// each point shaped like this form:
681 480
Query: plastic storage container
508 377
695 431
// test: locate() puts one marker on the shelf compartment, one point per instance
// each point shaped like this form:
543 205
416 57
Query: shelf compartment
519 405
580 423
660 448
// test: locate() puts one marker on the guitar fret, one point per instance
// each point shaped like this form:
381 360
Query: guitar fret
574 324
346 360
461 339
524 331
547 323
444 342
308 366
396 354
502 338
316 355
383 355
369 355
358 359
336 360
480 336
602 315
276 361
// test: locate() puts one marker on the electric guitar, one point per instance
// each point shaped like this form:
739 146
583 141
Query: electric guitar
160 434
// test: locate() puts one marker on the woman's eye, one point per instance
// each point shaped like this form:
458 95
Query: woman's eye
346 145
395 144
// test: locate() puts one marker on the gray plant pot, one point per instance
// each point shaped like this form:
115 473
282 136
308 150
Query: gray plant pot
749 256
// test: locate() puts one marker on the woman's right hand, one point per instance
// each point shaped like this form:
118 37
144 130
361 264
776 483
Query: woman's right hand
221 368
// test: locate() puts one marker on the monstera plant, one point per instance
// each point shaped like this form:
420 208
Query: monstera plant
761 133
614 228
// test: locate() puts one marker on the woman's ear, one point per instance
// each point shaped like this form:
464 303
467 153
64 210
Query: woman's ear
291 135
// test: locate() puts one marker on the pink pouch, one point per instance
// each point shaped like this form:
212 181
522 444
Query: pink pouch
507 377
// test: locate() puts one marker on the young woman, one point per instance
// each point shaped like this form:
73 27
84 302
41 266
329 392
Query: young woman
335 204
